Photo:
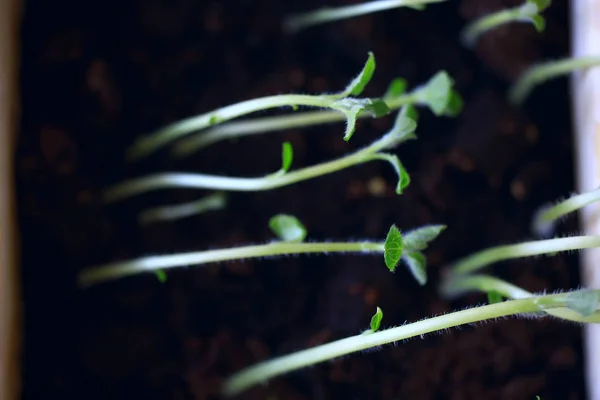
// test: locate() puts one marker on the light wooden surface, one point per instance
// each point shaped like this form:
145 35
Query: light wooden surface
9 293
585 22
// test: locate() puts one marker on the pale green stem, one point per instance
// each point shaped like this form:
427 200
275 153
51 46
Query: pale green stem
98 274
484 283
324 15
484 24
486 257
215 182
262 372
545 71
543 223
146 145
236 129
213 202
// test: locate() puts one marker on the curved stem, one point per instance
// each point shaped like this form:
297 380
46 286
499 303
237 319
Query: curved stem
486 257
544 220
545 71
149 144
263 371
107 272
486 23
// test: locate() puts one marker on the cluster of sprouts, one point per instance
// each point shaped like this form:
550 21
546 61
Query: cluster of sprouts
399 247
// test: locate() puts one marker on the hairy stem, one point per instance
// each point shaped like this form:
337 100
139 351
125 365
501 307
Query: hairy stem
264 371
492 255
117 270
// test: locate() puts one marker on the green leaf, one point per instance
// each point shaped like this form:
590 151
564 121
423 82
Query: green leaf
437 93
403 177
585 302
455 105
377 108
538 22
418 239
287 228
494 297
287 156
416 263
404 125
161 275
351 116
376 320
396 88
358 84
392 249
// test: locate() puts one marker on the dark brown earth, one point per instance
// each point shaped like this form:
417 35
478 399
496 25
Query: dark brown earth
97 74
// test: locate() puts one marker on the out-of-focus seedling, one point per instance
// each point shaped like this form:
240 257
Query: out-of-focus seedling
527 12
326 14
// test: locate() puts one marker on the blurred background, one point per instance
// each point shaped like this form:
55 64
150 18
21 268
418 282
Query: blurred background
96 75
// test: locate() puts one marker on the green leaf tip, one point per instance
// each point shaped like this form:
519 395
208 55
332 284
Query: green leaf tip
585 302
417 265
393 248
440 97
287 156
287 228
161 275
539 23
358 84
376 320
494 297
419 238
396 88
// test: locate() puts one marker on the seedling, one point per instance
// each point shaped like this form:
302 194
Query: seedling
438 94
567 305
545 71
546 218
527 12
345 102
291 234
402 130
325 15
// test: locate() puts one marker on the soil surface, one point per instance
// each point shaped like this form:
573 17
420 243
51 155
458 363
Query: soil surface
95 75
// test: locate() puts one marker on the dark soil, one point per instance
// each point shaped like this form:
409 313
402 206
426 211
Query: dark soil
97 74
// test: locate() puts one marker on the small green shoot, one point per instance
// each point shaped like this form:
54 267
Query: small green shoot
393 248
440 97
341 102
287 228
584 302
213 202
287 156
494 297
161 275
376 320
402 130
545 71
527 12
325 15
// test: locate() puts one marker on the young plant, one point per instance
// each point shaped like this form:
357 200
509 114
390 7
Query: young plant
345 102
527 12
291 234
402 130
437 94
578 306
546 71
325 15
546 218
